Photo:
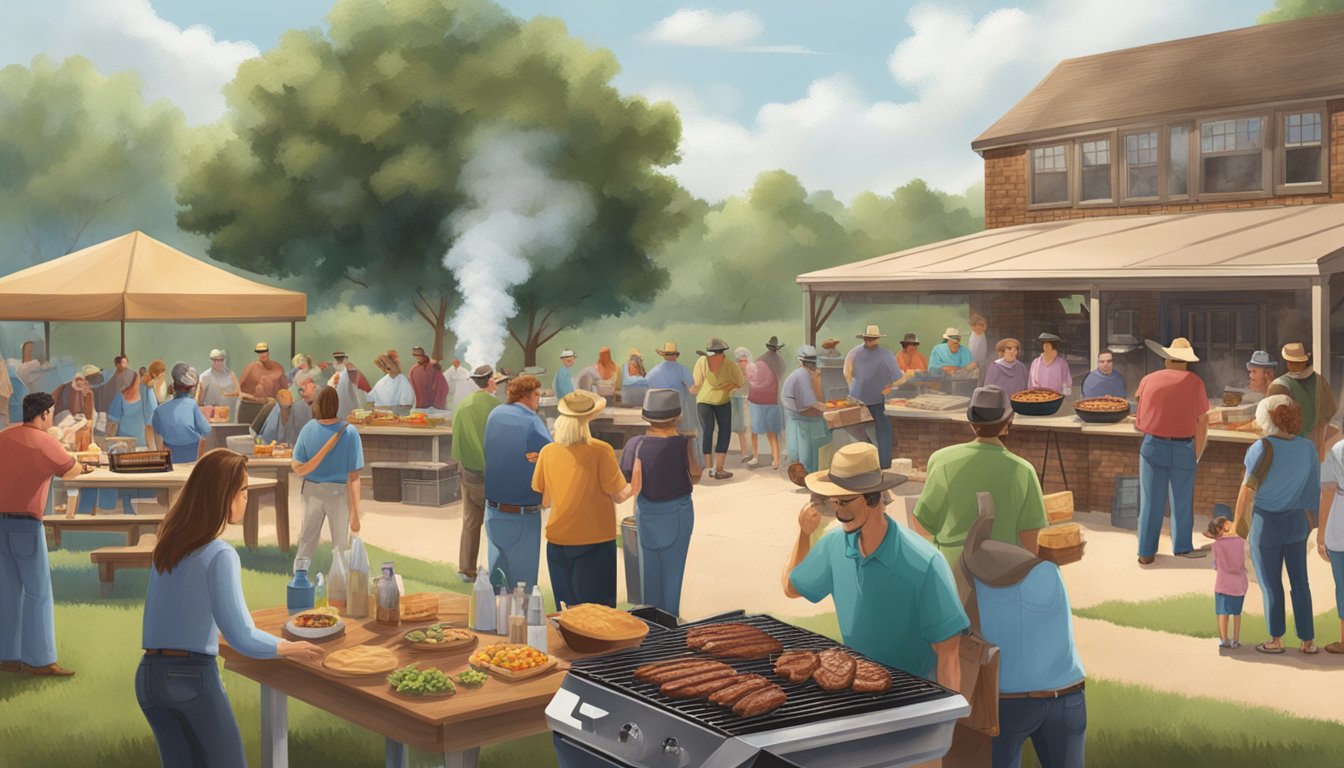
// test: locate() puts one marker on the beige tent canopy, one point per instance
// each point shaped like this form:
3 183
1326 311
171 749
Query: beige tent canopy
137 278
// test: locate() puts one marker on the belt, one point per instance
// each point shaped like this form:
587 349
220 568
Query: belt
178 654
514 509
8 516
1174 439
1055 694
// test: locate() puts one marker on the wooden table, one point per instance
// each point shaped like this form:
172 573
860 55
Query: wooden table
280 469
131 525
456 727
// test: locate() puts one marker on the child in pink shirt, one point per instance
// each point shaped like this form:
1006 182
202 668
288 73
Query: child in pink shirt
1229 586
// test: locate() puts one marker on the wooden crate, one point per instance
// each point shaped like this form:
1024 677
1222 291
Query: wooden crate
846 417
1059 507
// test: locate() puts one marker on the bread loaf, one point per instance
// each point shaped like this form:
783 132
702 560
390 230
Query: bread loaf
419 606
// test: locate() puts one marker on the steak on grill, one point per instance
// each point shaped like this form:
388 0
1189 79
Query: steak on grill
751 647
797 666
761 701
722 632
662 672
675 688
706 688
871 678
742 685
836 672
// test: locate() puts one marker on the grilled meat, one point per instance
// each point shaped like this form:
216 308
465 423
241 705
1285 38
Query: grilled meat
797 666
741 686
836 672
871 678
743 648
724 633
760 702
658 677
675 688
706 688
648 670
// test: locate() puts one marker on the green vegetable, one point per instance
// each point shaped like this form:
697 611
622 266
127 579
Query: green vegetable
410 680
416 637
472 678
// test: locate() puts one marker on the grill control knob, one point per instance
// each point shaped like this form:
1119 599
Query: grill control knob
671 747
629 733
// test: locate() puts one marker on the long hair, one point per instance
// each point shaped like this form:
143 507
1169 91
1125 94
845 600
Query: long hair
202 510
606 367
571 430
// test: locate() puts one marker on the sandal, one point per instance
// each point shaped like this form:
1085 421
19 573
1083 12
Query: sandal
722 475
1267 648
1335 647
1309 649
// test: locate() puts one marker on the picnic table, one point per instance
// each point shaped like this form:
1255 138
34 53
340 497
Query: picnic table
455 727
131 525
280 469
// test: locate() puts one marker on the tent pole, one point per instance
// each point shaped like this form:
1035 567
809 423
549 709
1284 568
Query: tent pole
292 351
123 337
46 333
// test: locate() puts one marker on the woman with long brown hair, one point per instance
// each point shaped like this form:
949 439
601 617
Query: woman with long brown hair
195 594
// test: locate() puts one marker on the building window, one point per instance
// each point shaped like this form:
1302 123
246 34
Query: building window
1049 175
1096 175
1231 156
1178 161
1302 148
1141 165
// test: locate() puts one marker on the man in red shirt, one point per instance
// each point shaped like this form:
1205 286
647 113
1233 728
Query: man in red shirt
1174 418
30 458
431 389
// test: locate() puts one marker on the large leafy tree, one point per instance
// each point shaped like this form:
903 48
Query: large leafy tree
82 158
1287 10
347 148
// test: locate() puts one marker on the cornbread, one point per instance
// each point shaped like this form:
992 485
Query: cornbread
420 606
1060 536
361 660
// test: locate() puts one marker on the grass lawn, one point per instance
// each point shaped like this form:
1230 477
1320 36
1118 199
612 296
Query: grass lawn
1192 614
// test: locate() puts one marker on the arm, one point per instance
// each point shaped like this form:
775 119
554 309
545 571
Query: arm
1245 505
1201 434
697 377
636 479
1328 490
1028 539
949 662
353 487
808 520
224 579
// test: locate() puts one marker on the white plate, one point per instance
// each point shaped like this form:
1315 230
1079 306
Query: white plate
313 633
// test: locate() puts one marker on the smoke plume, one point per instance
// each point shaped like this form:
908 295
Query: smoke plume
518 217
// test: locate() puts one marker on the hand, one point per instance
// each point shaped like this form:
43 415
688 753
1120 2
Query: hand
299 651
1320 548
809 519
354 524
532 456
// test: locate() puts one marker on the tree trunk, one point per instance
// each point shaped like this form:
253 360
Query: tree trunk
538 333
437 319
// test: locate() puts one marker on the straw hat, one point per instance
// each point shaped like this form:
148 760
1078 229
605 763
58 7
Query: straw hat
564 353
831 343
217 354
261 347
581 404
871 332
1180 349
1295 352
669 349
854 469
952 333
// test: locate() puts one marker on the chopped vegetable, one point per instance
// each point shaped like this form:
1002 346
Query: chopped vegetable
472 678
410 680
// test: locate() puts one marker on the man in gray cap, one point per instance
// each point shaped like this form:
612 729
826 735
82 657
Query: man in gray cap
947 507
469 451
179 423
1260 370
806 431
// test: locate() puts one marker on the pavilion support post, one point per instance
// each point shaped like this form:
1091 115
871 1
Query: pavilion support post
1094 323
123 337
46 336
1320 325
810 311
292 350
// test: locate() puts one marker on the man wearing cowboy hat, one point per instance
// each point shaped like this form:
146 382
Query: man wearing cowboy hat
957 473
671 374
1174 418
775 361
951 357
564 382
1259 374
468 450
394 390
871 369
1310 391
894 594
514 436
805 429
261 380
431 389
909 360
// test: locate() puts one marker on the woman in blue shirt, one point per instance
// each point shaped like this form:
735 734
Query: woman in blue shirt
129 415
328 456
1282 487
195 594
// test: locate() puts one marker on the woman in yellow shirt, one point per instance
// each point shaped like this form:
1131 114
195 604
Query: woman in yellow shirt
579 479
715 379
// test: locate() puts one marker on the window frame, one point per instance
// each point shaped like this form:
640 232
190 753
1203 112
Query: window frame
1068 201
1281 186
1268 140
1192 177
1077 172
1163 151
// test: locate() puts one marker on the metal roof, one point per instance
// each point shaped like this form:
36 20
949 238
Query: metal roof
1291 61
1250 248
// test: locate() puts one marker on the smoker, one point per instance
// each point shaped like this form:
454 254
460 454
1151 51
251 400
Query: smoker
602 716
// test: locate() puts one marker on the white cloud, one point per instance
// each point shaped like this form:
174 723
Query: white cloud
189 66
706 29
961 73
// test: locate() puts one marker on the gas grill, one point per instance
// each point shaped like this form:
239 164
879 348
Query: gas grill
602 716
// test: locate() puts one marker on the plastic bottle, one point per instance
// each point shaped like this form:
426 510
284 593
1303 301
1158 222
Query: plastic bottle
320 592
337 580
518 616
299 596
502 612
482 603
357 585
389 598
536 621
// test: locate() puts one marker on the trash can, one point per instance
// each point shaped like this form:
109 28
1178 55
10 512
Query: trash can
1125 503
634 588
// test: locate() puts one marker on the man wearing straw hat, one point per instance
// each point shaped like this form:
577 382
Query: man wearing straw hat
1174 418
951 357
671 374
893 592
871 369
1310 391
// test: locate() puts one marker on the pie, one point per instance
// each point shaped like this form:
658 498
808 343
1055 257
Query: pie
361 660
1107 404
601 622
1036 396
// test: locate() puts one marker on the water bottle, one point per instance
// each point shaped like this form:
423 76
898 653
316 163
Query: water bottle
518 615
320 592
502 612
536 621
483 603
300 592
389 598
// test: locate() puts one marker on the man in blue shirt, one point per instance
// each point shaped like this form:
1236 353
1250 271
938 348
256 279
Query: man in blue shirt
950 357
871 370
514 436
1105 380
179 422
564 383
806 431
671 374
893 592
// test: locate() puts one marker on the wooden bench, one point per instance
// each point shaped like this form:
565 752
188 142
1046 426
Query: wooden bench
134 526
110 559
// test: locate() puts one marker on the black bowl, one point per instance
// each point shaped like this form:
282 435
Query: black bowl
1048 408
1102 417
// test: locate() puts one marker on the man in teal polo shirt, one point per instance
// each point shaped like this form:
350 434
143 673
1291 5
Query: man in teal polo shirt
469 452
894 594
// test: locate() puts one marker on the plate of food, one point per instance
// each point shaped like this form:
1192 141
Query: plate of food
439 637
315 624
360 661
593 628
1037 402
413 682
512 661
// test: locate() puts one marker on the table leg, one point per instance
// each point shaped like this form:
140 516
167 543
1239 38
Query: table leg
282 510
274 728
397 754
250 520
464 759
434 448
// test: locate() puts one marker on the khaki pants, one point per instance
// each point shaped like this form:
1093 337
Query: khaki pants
324 501
473 515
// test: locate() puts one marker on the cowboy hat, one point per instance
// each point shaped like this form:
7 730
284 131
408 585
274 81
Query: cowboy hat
871 332
338 355
661 405
854 470
567 353
910 338
714 347
952 334
261 347
995 563
581 404
831 343
1180 350
669 349
774 343
1261 359
1294 352
989 405
217 354
1050 337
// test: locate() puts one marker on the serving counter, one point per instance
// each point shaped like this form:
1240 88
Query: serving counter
405 444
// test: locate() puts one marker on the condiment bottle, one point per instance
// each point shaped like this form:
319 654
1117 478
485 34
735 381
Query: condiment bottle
389 598
502 612
536 621
299 596
518 616
483 603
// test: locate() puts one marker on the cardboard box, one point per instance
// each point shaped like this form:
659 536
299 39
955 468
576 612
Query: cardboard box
1059 507
846 417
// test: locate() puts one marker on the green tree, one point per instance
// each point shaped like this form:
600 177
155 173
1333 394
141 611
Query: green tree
348 146
82 158
1287 10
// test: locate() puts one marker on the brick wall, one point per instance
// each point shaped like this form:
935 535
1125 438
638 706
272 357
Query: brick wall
1006 187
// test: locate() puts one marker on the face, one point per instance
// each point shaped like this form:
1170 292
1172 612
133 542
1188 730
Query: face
308 390
264 356
123 364
954 344
978 326
238 506
742 363
851 511
1261 377
567 361
1010 352
1047 346
217 363
143 372
421 358
80 384
1298 367
1105 363
533 400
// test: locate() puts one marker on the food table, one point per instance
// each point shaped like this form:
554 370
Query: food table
456 726
405 443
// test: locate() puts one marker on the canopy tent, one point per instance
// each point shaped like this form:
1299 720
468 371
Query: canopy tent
137 278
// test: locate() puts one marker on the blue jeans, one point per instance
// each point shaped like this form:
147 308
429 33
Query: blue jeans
881 433
1057 729
106 499
710 417
1166 472
27 622
583 573
1337 568
664 529
514 546
188 711
1278 541
805 436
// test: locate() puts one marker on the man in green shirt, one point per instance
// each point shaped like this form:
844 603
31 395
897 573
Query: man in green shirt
469 452
894 595
948 505
1311 392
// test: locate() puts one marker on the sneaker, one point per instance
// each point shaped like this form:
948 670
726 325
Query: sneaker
1224 644
1193 554
722 475
1234 644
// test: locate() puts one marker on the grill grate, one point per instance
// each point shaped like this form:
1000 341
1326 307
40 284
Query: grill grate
807 702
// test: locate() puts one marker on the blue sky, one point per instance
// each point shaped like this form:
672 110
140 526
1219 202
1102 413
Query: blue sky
848 95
